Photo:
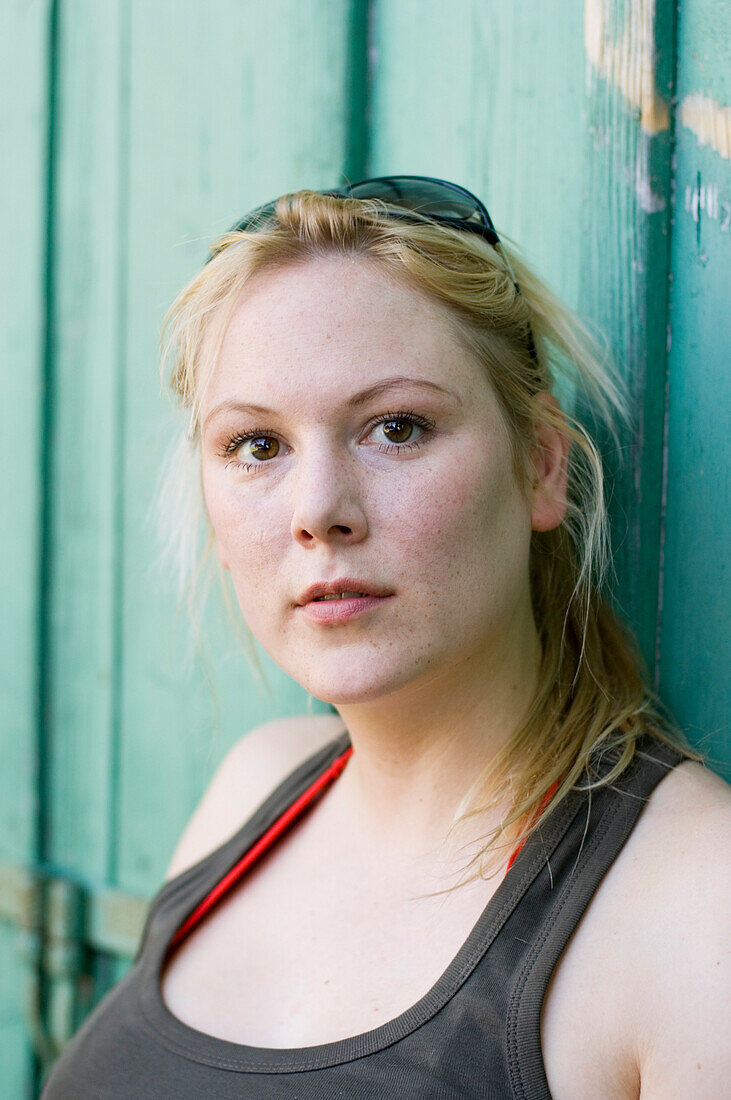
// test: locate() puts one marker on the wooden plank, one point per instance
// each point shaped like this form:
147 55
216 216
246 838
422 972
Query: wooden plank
212 132
471 92
24 137
83 454
695 644
624 269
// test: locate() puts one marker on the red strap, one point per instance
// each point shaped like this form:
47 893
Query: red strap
276 830
262 844
546 799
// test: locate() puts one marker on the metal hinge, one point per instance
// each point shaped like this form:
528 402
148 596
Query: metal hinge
59 918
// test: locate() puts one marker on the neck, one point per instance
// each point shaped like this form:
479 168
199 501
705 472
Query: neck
418 750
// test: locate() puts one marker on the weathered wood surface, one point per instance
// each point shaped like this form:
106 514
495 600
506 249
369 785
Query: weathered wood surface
695 616
24 140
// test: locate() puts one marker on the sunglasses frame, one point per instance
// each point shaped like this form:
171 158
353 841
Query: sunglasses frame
484 228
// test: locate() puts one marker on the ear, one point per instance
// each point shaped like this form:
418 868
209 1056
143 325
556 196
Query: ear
219 551
550 464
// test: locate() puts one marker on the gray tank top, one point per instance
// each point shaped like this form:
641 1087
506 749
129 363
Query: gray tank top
476 1033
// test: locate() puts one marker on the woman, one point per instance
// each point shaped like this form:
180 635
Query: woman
494 871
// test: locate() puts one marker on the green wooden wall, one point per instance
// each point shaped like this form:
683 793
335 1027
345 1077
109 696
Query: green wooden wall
132 134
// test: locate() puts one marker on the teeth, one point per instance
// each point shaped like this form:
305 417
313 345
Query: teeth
340 596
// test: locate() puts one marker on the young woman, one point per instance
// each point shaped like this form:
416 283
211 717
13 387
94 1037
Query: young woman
495 871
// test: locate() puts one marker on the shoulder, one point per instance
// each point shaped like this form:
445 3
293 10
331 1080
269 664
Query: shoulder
645 976
679 873
249 771
639 1000
680 846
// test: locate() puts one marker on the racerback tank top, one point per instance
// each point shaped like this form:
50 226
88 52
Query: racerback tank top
475 1033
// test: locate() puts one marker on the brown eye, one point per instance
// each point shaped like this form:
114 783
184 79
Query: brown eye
263 447
398 431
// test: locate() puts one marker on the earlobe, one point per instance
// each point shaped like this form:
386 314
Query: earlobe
550 462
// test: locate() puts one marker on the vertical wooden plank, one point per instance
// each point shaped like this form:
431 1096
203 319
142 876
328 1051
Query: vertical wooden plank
82 465
695 644
213 130
24 138
472 92
624 267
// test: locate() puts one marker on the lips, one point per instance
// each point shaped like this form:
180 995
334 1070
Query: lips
339 586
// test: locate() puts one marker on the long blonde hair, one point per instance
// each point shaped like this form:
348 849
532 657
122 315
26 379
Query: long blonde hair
593 695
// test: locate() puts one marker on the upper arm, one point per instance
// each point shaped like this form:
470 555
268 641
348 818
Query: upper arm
249 771
684 1018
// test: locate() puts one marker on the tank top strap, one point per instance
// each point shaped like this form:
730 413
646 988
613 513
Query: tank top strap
184 899
604 819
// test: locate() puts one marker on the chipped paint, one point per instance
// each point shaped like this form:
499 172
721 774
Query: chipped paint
650 201
704 198
628 61
709 121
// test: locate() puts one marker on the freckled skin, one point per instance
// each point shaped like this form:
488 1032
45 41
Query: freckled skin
443 526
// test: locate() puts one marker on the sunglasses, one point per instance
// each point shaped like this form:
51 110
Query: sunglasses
436 200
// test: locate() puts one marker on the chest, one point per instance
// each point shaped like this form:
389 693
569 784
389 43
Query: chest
304 951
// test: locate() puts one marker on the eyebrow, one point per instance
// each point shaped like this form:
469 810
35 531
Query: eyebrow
354 402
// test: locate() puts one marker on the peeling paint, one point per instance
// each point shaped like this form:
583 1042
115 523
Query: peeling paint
629 60
704 198
709 121
650 201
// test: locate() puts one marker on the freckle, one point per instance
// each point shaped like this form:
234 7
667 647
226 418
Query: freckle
697 1065
327 981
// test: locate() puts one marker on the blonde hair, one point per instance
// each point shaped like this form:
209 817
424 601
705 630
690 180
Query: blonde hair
593 696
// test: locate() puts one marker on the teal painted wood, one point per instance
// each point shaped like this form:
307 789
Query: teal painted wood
624 270
472 92
24 135
24 129
695 643
83 473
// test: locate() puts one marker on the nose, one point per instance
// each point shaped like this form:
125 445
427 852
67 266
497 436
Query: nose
327 499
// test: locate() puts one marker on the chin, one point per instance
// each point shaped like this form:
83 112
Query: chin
343 685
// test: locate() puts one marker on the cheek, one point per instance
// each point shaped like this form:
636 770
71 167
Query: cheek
458 509
466 532
249 539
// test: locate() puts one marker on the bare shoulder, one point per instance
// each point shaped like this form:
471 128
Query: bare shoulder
685 824
638 1004
249 771
680 876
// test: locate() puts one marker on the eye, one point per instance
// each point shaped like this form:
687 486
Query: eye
403 430
398 431
259 446
262 447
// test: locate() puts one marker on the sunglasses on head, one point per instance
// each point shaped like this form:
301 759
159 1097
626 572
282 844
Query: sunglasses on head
437 200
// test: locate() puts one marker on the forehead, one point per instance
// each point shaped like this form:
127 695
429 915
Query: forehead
331 325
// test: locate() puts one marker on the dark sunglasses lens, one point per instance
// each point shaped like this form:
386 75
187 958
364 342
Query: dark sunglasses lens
255 218
424 196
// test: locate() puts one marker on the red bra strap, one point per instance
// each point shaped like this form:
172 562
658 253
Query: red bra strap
274 831
544 802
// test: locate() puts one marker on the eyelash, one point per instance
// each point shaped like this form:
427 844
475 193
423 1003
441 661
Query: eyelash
406 415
